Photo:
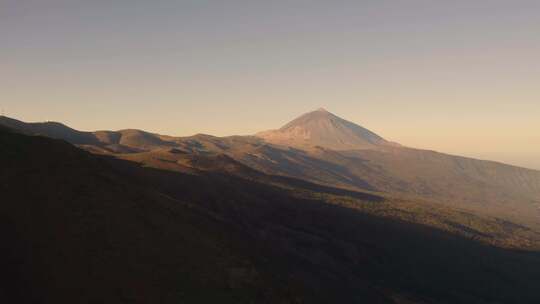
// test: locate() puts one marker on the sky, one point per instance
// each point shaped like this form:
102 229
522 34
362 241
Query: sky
461 77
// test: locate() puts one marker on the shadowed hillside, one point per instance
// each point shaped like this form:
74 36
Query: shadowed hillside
87 229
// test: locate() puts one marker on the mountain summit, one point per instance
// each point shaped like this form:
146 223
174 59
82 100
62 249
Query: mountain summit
322 128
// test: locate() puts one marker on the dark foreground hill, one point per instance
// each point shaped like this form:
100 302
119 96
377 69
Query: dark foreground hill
81 228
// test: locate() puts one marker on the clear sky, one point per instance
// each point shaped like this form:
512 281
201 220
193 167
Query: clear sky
458 76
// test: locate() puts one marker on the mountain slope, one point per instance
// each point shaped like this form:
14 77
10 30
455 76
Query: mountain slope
87 229
324 129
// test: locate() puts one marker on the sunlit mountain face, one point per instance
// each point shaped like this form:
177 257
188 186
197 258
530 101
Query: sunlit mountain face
324 129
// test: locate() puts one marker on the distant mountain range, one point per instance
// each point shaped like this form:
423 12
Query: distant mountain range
322 148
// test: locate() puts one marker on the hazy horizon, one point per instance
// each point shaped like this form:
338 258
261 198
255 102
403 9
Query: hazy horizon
459 77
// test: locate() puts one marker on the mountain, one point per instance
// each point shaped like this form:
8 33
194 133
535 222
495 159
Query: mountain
170 226
324 129
484 187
